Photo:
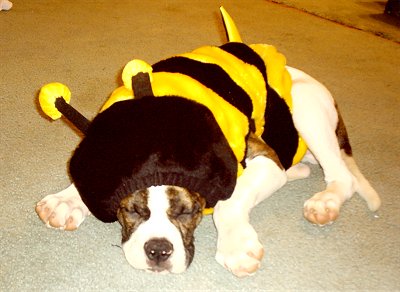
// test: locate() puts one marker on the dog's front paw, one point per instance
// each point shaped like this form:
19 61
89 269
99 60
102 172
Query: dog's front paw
64 210
239 250
323 208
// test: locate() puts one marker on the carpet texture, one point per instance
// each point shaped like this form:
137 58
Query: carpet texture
364 15
84 44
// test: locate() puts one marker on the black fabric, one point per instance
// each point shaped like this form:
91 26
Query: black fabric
72 115
141 85
279 131
247 55
211 76
152 141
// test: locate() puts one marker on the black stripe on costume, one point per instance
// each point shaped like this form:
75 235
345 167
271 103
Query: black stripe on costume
211 76
279 131
247 55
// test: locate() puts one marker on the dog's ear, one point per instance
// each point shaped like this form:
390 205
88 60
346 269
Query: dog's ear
201 203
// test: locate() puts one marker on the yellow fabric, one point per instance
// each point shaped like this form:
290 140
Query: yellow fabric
230 27
48 95
278 77
208 211
247 76
232 122
301 151
280 80
119 94
132 68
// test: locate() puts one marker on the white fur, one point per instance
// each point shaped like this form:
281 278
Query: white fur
315 117
298 171
5 5
63 210
363 187
238 247
157 226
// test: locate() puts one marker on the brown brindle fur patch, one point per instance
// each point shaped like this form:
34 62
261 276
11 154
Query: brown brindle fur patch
341 134
256 147
132 212
185 212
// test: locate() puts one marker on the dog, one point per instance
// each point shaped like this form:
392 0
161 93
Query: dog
158 218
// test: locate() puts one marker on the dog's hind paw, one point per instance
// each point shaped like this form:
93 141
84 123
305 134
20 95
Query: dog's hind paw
64 210
323 208
239 250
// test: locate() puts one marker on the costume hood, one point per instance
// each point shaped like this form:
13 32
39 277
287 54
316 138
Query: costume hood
143 142
136 144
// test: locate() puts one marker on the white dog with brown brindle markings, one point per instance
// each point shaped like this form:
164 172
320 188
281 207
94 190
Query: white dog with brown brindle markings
158 222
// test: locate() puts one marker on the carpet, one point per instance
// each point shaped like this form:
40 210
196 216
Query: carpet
364 15
84 44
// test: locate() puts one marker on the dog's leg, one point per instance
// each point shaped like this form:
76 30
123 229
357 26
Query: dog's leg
64 210
238 247
298 171
317 120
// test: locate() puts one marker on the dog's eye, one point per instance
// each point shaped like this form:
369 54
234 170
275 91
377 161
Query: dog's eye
184 212
178 211
141 211
135 210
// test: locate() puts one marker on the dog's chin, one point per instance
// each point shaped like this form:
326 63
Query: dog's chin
162 270
166 270
157 270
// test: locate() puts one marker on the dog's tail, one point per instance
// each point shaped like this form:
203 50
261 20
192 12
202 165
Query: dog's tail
230 27
362 186
54 100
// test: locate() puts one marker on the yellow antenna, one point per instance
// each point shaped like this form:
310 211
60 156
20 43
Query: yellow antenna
230 27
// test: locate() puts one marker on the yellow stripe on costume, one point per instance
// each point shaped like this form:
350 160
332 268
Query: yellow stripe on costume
119 94
246 76
278 76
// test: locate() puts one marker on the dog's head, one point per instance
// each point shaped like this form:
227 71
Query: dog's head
158 225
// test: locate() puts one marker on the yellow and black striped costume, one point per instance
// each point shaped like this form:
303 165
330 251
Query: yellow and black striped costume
247 88
190 129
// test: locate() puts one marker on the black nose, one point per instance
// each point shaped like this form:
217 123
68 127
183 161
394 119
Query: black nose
158 250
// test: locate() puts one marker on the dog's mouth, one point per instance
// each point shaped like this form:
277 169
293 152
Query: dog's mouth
159 270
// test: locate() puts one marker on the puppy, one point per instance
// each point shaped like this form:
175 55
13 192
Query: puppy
157 156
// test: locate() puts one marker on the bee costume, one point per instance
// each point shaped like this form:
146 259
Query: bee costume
183 121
